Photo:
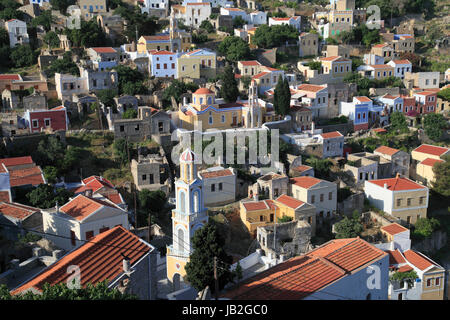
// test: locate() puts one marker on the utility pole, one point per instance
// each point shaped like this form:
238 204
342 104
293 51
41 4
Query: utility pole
216 280
133 188
275 235
149 226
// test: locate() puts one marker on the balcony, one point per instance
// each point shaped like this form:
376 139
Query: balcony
171 251
189 218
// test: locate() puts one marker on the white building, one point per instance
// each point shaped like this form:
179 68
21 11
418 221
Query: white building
320 193
257 17
163 64
214 3
17 31
219 185
81 219
193 14
234 12
400 67
371 58
292 21
150 5
67 85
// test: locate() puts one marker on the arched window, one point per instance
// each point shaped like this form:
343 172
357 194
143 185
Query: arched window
182 199
180 240
209 100
196 201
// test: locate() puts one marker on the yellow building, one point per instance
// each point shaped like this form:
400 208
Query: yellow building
336 66
196 64
424 158
213 115
188 216
256 214
383 50
376 71
425 151
174 40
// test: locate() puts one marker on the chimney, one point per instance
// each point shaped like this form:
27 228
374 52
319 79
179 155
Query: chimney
88 193
312 127
126 264
57 207
385 185
256 197
397 175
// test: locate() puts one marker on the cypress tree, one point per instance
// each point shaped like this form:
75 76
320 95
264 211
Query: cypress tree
229 90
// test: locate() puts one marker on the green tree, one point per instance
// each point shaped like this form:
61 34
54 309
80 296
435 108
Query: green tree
207 26
145 24
45 196
45 19
207 244
234 48
274 36
51 174
90 34
153 200
64 65
11 13
130 114
61 5
128 75
398 122
49 152
282 97
441 172
424 227
400 277
51 39
229 90
315 65
106 97
444 94
61 291
349 227
434 124
321 166
23 56
176 89
121 150
4 38
238 22
284 219
72 158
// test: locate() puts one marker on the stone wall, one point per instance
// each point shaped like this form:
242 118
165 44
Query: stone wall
352 203
343 128
429 246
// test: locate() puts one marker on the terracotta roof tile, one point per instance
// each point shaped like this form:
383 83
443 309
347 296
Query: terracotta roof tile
430 162
310 87
394 228
98 260
16 161
301 168
305 182
397 184
81 206
430 149
289 201
28 176
386 150
104 50
363 99
417 260
255 205
16 211
395 257
5 196
9 77
329 135
216 173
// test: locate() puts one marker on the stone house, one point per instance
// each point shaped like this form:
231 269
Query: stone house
308 44
293 238
301 117
10 100
150 123
125 102
361 168
270 186
219 186
19 216
400 161
151 172
35 101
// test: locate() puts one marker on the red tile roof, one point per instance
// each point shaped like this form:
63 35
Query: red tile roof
405 268
203 91
349 254
301 168
363 99
305 182
395 257
162 52
387 150
28 176
255 205
418 260
104 50
381 45
430 149
16 211
310 87
379 130
216 173
9 77
406 61
259 75
397 184
98 260
9 162
430 162
329 135
301 276
81 207
115 198
250 63
289 201
394 228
